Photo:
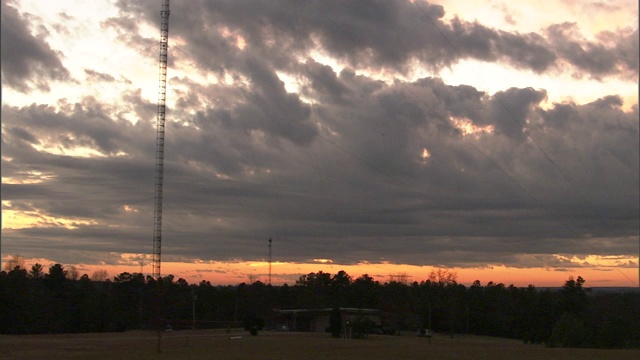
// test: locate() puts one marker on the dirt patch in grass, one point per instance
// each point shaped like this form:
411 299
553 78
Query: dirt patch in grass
281 346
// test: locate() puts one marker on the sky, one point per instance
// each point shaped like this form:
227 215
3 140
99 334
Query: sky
496 139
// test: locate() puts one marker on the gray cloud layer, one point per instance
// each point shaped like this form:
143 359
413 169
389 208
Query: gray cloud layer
341 176
27 60
389 34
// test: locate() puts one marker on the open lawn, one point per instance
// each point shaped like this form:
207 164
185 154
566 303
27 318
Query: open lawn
207 344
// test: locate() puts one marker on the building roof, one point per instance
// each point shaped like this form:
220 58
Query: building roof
328 310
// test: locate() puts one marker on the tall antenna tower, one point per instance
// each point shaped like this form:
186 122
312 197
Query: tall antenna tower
160 122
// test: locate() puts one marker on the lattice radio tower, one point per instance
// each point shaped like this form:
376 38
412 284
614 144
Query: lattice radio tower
160 125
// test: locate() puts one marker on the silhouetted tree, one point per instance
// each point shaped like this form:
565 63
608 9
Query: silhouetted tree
574 298
127 298
365 293
569 331
100 275
36 271
53 303
312 290
15 261
14 302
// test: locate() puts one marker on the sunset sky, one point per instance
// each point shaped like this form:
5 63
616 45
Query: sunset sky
495 138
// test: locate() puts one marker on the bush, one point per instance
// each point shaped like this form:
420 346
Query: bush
569 331
361 327
611 334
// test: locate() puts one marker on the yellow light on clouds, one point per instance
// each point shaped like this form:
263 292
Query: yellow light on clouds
609 261
323 261
467 127
28 177
425 154
19 219
128 208
80 151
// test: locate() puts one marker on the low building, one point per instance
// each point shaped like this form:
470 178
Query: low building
317 320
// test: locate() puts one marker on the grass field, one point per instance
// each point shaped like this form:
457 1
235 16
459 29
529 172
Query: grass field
281 345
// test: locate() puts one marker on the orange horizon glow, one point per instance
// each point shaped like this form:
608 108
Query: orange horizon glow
235 273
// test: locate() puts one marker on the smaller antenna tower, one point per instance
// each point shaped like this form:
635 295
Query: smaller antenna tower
269 261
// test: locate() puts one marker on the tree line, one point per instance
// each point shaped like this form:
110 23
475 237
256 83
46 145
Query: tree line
35 302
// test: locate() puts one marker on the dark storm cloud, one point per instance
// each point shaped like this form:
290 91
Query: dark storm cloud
384 34
274 110
22 134
323 82
75 186
510 120
84 124
27 60
357 184
336 170
615 53
603 142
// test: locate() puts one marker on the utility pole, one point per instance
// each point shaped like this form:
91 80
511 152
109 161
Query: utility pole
194 297
429 332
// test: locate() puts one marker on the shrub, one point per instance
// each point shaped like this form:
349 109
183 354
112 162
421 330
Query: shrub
569 331
361 327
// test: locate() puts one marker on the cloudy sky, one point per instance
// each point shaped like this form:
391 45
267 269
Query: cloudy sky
495 138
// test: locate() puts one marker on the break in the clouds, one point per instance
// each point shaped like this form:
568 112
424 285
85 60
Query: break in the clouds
324 125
